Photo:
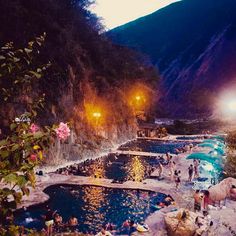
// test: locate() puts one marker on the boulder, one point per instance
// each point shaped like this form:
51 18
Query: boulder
181 223
221 190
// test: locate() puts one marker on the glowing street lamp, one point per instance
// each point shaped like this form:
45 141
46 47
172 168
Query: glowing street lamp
139 102
97 116
138 98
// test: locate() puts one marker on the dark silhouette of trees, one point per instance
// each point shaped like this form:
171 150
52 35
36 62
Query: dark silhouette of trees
77 50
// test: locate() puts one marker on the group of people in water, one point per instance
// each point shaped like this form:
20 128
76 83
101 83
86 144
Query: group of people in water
168 200
201 198
98 167
88 167
95 168
185 148
85 168
54 222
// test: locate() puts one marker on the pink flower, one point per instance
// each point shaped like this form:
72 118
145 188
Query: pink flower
33 157
63 131
34 128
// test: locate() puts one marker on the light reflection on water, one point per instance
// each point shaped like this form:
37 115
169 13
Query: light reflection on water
136 170
94 206
124 167
93 198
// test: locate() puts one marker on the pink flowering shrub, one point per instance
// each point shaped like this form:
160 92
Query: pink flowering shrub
33 157
63 131
34 128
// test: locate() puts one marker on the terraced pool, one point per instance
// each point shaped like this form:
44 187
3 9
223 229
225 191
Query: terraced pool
93 206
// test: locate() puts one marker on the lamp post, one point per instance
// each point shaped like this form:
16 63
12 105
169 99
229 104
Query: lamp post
97 116
137 98
139 103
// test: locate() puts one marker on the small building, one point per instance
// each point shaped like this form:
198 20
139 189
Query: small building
151 130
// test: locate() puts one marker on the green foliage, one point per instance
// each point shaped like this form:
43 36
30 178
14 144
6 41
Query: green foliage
20 152
231 140
20 76
230 165
14 230
22 147
79 53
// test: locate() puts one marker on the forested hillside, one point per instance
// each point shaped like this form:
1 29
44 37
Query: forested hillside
86 69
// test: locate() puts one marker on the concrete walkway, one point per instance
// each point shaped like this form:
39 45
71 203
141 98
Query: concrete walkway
138 153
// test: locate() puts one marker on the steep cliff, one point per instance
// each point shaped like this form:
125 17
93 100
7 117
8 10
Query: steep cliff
88 72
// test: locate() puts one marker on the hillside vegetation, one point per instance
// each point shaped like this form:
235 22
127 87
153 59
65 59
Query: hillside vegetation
87 72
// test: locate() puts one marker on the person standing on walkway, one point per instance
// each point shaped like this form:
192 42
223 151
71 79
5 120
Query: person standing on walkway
196 168
177 176
172 166
206 202
191 147
197 201
160 170
190 173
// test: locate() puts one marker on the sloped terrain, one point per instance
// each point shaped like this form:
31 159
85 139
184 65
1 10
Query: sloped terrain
192 43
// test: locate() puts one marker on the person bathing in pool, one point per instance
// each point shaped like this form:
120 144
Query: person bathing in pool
49 220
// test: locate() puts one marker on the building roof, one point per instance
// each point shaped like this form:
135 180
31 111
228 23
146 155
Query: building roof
148 126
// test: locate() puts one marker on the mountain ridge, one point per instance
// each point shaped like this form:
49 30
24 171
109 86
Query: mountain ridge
187 42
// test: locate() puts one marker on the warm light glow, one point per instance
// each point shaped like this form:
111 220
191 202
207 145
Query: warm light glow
139 101
137 169
97 114
98 172
139 97
226 105
232 105
94 198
